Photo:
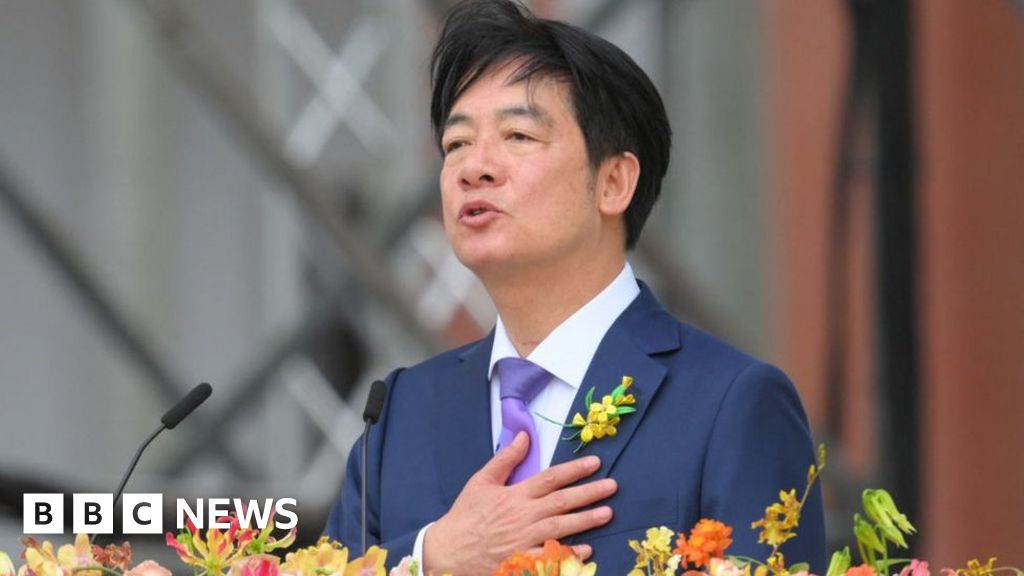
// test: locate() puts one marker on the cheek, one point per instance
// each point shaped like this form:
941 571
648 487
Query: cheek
448 196
562 197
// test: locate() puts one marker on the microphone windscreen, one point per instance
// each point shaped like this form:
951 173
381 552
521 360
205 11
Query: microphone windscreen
375 402
190 402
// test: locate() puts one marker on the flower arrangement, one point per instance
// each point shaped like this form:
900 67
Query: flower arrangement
702 552
211 553
555 560
235 551
241 551
80 558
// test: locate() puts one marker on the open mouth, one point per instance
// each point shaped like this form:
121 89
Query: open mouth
476 209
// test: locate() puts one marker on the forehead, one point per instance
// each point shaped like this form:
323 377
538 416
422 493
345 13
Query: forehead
500 89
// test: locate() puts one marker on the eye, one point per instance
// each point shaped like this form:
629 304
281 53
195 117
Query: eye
453 145
519 137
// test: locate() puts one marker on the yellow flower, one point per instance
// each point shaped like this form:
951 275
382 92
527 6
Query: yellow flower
976 568
777 564
654 555
42 561
77 555
603 417
6 566
372 564
659 541
324 558
572 566
624 399
780 518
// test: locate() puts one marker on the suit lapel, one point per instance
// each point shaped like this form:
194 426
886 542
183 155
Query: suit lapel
461 400
643 329
462 419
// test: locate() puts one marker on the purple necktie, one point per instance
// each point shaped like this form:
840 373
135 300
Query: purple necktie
521 381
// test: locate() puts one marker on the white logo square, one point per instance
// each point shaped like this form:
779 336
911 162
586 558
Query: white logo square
93 514
42 514
142 513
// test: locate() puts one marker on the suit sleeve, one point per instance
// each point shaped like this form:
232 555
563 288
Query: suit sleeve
344 523
761 444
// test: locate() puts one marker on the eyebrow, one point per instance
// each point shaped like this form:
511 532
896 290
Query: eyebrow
529 111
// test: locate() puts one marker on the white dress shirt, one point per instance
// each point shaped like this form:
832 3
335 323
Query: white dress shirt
566 353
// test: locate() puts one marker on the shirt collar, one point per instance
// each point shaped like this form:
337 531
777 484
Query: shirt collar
568 350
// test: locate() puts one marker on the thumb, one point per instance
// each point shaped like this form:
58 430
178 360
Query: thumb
500 467
583 551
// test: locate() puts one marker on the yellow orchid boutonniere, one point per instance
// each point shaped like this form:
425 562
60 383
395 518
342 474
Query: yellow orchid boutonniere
603 417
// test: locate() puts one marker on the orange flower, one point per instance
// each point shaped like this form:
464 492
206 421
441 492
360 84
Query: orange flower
550 559
708 539
862 570
555 552
113 556
517 564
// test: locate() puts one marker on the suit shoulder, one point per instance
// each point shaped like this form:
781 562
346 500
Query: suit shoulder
441 361
707 345
717 360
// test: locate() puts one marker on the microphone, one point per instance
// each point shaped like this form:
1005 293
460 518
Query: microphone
375 402
374 406
190 402
168 421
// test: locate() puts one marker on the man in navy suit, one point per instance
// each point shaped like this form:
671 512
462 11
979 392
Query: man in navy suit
555 144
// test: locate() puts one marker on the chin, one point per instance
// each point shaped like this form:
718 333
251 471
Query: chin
483 259
476 260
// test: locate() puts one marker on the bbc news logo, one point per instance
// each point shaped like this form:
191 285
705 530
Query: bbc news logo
143 513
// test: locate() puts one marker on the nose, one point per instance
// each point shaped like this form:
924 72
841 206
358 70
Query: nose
481 167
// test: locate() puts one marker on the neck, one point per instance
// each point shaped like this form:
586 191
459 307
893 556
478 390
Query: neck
532 304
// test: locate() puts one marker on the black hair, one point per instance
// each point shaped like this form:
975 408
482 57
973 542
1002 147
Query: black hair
615 103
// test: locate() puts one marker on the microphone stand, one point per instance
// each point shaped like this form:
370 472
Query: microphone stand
168 421
374 406
366 435
131 468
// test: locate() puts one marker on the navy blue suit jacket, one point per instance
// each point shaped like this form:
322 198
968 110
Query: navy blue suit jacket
717 434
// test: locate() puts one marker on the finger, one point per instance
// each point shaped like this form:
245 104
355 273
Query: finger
573 498
535 551
558 527
500 467
582 551
560 476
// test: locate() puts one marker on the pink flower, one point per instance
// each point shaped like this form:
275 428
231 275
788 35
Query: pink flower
724 567
262 567
915 568
148 568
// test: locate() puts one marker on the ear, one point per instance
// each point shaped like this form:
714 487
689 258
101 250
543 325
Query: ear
618 177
